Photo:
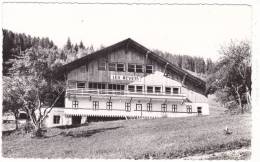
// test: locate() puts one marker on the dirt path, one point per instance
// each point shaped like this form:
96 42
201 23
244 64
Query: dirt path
240 154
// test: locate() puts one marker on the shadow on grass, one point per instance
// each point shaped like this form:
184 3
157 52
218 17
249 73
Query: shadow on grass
71 126
86 133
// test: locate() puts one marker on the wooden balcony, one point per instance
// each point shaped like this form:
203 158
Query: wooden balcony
127 94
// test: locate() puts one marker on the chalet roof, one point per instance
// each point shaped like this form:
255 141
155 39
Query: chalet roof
157 79
131 44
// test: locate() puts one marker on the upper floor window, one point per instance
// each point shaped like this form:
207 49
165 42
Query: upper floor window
149 89
175 90
131 67
139 68
118 87
131 88
157 89
149 69
167 90
81 85
120 67
112 67
102 65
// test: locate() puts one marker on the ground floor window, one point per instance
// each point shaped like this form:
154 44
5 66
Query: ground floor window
189 108
199 110
109 105
127 106
149 106
138 107
174 108
95 105
75 104
164 107
56 119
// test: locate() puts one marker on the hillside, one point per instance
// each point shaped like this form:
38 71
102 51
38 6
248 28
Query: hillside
136 139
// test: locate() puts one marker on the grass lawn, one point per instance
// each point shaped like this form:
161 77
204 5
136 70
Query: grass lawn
136 139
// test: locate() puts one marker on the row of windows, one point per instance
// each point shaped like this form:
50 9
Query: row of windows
131 88
149 106
121 67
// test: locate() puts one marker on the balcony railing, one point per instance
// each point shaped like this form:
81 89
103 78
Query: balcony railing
125 93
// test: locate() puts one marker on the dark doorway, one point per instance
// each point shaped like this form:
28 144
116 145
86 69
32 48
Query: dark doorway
199 110
76 120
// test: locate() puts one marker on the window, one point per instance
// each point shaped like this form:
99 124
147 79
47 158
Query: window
120 67
127 106
149 106
167 90
116 87
112 67
139 68
149 89
131 88
131 67
149 69
109 105
199 110
95 105
174 108
189 108
75 104
101 85
102 65
164 107
175 90
138 107
139 88
157 89
56 119
81 85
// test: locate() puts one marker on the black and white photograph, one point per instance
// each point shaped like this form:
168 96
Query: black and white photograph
132 80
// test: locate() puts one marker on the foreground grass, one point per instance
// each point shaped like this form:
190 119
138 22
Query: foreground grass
136 139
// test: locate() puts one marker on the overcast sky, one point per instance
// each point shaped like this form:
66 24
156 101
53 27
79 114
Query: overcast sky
197 30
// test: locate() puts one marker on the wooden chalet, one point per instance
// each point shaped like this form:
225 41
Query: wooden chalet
130 81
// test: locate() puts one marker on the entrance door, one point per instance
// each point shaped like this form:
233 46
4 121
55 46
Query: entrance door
199 110
76 120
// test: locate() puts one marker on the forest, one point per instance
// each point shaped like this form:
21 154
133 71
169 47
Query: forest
15 45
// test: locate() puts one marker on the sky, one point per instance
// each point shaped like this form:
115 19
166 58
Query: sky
196 30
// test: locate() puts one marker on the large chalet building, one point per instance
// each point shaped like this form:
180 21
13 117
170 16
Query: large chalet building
130 81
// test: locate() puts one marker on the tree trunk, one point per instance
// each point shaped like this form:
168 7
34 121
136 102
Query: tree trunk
239 99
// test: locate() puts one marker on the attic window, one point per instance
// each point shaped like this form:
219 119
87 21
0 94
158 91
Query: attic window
112 67
149 69
139 68
131 67
102 65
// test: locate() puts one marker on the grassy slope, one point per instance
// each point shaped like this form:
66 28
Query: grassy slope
157 138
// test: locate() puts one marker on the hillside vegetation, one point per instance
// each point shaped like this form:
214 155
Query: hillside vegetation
136 139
